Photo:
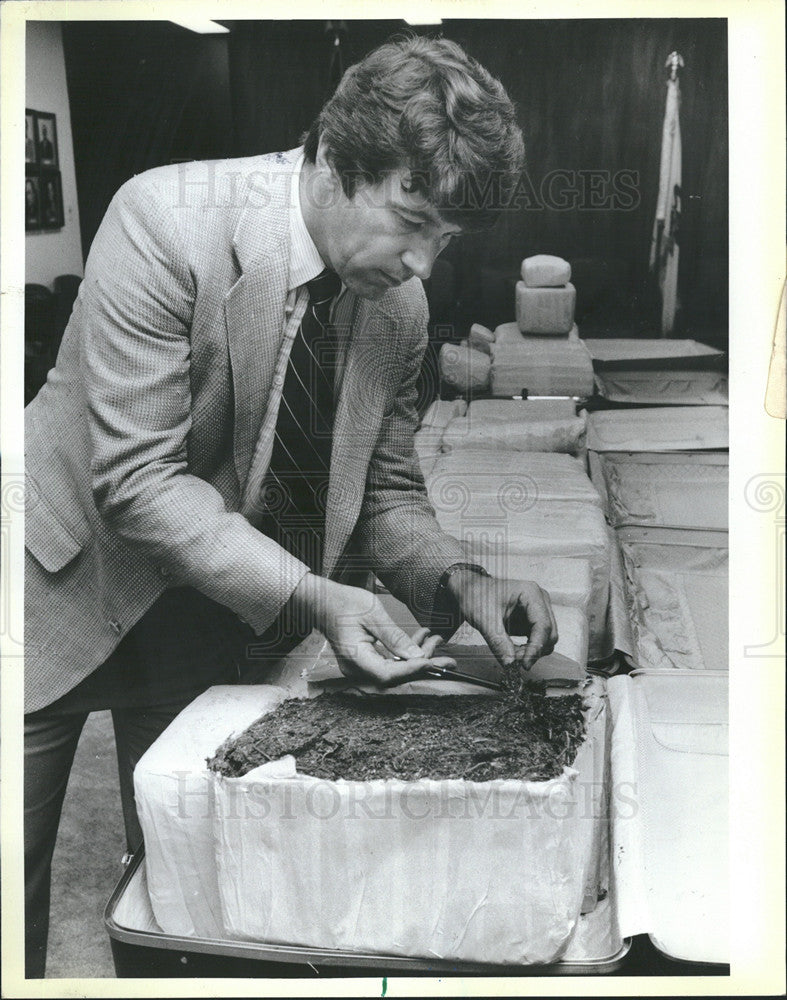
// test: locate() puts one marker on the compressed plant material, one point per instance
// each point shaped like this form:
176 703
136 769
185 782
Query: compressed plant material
675 490
545 310
568 661
663 388
663 428
544 270
538 366
677 598
518 425
492 872
463 368
364 738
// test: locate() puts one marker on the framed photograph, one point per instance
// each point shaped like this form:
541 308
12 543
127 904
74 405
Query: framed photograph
46 129
31 153
32 202
51 199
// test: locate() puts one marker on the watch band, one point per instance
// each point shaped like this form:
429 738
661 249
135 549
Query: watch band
456 567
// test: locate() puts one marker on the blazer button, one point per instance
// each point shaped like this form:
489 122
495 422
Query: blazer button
116 627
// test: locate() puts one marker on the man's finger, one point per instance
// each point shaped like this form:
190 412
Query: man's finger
536 647
395 639
500 643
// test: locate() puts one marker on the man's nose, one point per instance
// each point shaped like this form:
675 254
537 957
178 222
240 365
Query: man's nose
419 258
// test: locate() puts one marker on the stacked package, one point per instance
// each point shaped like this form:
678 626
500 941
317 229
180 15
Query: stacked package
538 355
507 507
550 425
541 354
663 472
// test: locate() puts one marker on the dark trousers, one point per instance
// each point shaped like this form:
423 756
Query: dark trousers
182 646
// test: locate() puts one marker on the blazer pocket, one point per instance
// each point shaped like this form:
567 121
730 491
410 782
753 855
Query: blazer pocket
47 539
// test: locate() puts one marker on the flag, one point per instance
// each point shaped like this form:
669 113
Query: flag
664 245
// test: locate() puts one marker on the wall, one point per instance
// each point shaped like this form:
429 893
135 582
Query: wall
143 94
48 254
590 98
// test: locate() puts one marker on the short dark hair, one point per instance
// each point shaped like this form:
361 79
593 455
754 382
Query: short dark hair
424 104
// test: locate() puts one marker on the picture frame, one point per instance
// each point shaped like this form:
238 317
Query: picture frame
50 200
32 202
31 138
46 139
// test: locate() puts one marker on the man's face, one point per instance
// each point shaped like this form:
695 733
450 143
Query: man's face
383 235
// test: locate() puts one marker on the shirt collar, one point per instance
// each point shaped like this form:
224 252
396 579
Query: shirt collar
305 261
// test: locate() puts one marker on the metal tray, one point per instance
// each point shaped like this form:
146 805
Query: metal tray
140 948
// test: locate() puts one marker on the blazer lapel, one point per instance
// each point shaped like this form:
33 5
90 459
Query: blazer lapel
254 313
365 371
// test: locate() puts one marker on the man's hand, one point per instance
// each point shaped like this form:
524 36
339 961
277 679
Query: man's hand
364 638
502 608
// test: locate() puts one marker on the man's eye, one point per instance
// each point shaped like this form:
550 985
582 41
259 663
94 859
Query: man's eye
412 225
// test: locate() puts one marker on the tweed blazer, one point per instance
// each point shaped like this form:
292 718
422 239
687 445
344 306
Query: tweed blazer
146 448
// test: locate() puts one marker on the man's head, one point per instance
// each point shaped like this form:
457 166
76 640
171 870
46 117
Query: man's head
420 142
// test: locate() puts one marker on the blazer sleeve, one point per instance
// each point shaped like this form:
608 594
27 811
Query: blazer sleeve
138 303
397 527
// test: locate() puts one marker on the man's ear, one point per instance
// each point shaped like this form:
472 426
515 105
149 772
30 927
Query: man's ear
322 159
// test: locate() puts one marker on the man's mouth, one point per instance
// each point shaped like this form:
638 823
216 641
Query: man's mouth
389 280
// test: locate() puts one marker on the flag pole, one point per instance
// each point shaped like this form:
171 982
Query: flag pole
665 240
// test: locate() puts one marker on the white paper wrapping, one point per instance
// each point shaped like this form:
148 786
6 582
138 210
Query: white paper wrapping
669 809
517 430
567 581
173 793
677 599
542 366
441 412
483 484
663 388
663 428
633 350
491 872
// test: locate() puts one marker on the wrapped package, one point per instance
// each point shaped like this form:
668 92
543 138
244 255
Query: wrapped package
510 518
494 484
660 428
663 388
545 311
441 412
428 438
677 596
173 792
494 872
673 490
518 425
627 353
540 366
544 270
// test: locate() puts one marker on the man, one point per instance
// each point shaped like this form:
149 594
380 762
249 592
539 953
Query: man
47 149
165 503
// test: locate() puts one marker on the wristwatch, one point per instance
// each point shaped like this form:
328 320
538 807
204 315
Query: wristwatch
456 568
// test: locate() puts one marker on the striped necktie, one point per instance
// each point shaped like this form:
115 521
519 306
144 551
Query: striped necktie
296 487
